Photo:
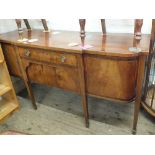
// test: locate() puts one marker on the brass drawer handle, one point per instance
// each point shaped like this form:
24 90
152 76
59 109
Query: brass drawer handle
63 59
27 53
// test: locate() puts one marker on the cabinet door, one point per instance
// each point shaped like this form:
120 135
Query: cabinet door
40 73
67 78
109 78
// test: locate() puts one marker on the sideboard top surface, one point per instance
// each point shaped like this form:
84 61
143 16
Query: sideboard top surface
111 44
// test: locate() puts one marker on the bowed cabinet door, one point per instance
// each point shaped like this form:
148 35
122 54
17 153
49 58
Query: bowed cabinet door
111 78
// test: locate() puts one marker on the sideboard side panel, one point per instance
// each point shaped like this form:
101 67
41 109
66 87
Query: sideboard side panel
11 59
110 78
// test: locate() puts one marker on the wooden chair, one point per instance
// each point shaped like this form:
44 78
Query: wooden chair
137 26
27 24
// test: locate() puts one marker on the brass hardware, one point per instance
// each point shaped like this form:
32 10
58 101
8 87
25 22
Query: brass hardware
63 58
27 53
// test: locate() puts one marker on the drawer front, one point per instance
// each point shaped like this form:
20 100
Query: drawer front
66 59
48 56
38 55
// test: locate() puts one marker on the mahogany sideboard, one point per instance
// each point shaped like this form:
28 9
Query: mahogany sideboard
107 70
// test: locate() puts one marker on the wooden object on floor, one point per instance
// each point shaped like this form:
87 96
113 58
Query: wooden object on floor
44 22
148 101
8 99
151 51
107 70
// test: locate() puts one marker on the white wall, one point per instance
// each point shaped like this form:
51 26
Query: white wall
112 25
7 25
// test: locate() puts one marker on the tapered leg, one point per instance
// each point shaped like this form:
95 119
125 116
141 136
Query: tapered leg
140 77
31 95
85 110
83 89
30 91
136 113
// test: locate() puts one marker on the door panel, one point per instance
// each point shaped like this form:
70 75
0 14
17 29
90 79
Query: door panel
67 78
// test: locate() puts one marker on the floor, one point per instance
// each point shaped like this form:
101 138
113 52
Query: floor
60 112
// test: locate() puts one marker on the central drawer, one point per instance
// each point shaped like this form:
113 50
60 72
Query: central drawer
48 56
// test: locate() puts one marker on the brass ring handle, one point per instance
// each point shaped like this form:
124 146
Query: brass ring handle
27 53
63 58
